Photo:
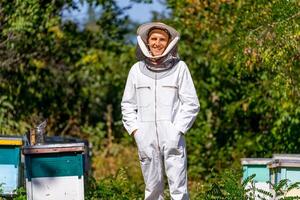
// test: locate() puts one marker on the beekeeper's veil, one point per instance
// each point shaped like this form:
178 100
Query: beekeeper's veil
169 57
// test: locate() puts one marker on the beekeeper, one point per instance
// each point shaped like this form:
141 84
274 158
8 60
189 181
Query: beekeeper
159 106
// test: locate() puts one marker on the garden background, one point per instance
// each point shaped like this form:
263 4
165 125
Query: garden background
244 57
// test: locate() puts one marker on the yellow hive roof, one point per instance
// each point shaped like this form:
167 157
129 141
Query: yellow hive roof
11 141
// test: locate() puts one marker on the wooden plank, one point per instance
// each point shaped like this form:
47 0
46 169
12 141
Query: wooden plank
284 164
52 150
255 161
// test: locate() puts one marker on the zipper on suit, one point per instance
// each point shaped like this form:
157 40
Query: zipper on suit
155 113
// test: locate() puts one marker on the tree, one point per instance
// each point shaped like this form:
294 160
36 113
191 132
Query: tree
51 69
244 56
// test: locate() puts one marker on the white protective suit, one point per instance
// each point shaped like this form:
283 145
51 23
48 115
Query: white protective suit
162 105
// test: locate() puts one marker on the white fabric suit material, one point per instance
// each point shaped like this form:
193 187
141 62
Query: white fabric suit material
162 106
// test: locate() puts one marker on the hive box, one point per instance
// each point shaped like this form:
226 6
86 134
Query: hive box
55 171
259 167
285 167
10 164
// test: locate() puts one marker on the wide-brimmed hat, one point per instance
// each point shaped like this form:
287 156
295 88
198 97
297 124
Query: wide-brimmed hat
144 29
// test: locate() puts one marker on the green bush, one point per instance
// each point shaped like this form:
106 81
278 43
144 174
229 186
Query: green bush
20 194
230 187
113 188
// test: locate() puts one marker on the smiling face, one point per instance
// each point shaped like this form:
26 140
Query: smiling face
158 41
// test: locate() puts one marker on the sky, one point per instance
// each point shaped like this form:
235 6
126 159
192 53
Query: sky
139 12
142 12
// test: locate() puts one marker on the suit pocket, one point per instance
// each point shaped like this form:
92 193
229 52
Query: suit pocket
143 95
168 94
176 138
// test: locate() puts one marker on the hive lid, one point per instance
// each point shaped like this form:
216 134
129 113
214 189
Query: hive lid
11 140
54 148
286 156
255 161
284 163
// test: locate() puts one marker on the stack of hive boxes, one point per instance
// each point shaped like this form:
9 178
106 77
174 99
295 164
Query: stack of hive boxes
52 170
273 170
10 164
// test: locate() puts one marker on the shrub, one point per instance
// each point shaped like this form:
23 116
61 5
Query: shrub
230 187
113 188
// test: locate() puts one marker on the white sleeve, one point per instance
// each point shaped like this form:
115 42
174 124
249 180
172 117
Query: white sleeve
190 106
129 104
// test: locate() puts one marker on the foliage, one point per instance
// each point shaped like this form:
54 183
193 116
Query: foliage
113 188
244 58
229 186
20 194
50 69
282 188
108 162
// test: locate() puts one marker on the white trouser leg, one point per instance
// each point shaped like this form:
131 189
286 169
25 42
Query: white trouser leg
172 158
151 161
175 160
152 170
175 166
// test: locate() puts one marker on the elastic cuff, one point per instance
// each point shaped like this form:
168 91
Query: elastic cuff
131 130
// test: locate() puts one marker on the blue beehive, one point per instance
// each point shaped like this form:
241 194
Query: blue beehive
55 171
10 164
285 166
257 166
